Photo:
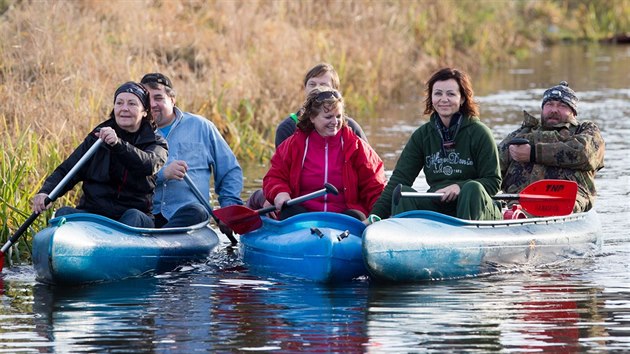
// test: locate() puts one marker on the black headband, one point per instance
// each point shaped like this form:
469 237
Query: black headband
136 89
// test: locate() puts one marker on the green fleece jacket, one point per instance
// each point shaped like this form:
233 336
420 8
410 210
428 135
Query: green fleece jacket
474 157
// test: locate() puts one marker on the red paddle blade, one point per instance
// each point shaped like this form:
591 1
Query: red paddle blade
1 261
549 197
239 218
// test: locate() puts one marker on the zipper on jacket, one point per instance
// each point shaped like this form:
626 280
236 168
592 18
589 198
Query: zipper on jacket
122 183
326 174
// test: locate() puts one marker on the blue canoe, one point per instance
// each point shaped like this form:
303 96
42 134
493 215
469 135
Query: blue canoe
87 248
317 246
424 245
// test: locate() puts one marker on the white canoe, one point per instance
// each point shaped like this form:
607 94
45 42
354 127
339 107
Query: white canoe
424 245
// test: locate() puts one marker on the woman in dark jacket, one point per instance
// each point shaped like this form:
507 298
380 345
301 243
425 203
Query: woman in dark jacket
118 181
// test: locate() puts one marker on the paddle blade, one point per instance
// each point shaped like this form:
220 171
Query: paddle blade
239 218
549 197
1 261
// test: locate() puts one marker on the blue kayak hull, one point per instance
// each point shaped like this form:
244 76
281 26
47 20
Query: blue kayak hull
87 248
423 245
317 246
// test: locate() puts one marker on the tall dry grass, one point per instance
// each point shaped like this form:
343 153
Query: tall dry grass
241 63
62 60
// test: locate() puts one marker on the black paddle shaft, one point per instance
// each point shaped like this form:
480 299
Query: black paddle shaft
206 205
328 188
20 231
53 195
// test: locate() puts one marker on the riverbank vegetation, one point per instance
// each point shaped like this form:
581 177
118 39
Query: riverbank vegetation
241 63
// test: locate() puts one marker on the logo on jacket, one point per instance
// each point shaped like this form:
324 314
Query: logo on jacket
447 166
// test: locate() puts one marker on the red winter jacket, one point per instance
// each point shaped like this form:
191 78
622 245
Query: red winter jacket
363 172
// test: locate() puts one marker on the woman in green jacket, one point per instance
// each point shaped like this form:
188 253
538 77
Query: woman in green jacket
457 152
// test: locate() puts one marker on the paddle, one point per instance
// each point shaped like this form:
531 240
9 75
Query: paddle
547 197
206 204
51 198
243 219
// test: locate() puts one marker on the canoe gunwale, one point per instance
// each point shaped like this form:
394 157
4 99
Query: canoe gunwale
450 220
113 224
354 226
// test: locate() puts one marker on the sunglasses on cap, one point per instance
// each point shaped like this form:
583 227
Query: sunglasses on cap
157 78
326 95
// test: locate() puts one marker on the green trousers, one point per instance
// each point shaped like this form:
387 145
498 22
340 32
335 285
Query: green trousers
473 203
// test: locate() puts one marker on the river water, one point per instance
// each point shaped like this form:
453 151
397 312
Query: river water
580 305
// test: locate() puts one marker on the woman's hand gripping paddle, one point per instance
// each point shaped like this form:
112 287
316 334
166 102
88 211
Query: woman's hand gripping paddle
243 219
51 198
547 197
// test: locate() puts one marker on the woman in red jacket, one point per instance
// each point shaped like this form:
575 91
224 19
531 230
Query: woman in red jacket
324 150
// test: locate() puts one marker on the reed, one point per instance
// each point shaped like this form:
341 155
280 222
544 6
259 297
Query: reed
241 63
18 169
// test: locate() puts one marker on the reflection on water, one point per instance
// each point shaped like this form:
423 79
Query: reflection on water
520 312
186 312
112 316
560 309
581 305
297 316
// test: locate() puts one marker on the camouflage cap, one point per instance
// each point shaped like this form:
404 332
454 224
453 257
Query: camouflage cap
563 93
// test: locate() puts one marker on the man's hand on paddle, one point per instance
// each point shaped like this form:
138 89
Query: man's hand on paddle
176 170
520 153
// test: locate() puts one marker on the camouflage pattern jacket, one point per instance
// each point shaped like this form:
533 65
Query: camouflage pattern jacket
573 151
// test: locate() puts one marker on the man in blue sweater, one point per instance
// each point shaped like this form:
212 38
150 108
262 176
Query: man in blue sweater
196 148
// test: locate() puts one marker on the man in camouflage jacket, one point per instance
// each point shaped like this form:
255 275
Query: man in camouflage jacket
555 147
